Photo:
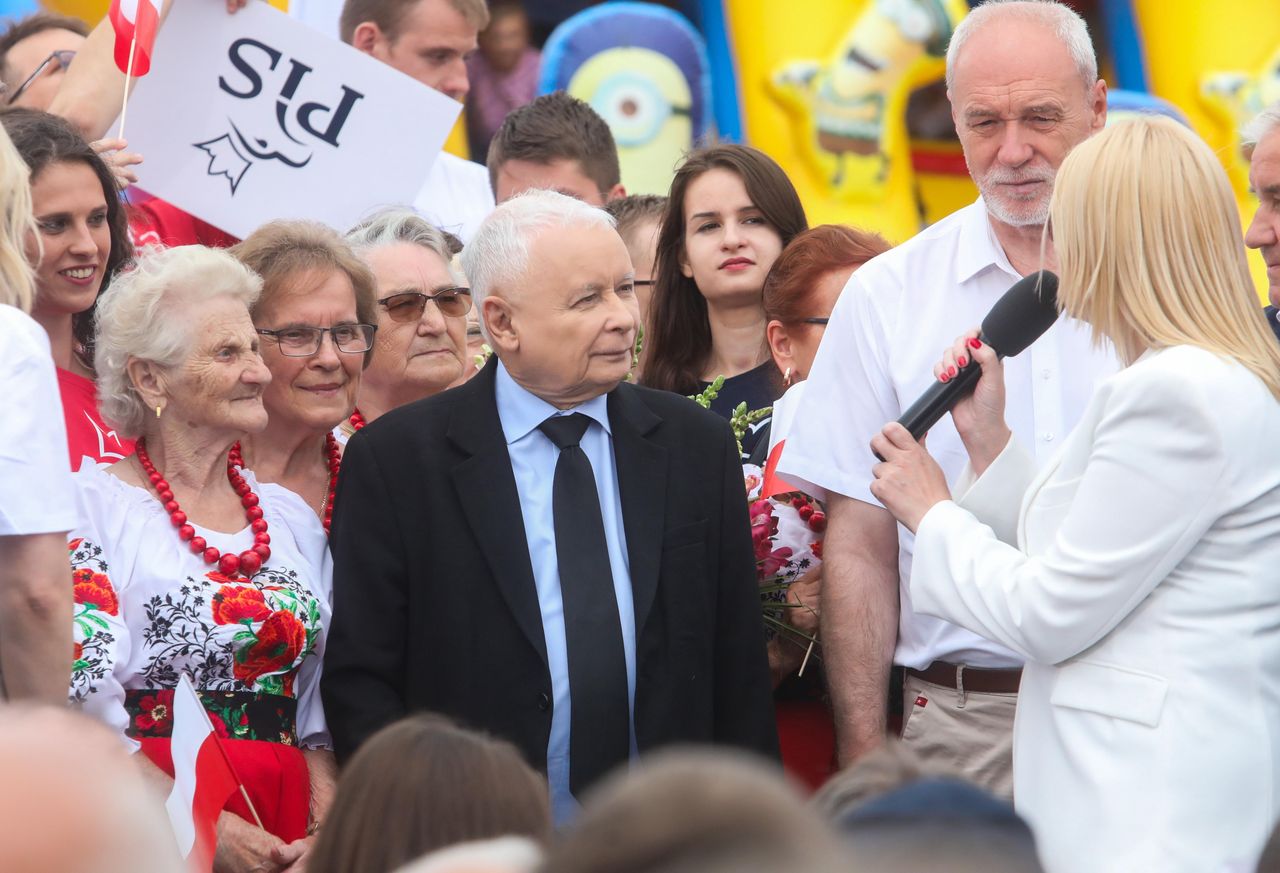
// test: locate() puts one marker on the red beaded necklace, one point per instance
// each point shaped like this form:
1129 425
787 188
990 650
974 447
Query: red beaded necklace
247 562
235 459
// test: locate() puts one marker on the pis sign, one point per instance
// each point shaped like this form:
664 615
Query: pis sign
252 117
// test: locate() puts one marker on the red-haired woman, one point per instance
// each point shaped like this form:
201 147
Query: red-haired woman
799 294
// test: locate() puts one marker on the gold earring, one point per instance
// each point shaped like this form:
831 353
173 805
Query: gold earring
158 409
786 378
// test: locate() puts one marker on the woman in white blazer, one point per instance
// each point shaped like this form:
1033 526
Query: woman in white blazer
1139 573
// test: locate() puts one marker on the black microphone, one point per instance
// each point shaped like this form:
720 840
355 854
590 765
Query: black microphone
1017 320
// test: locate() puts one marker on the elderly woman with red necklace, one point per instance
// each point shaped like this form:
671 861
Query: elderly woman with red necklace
185 564
316 322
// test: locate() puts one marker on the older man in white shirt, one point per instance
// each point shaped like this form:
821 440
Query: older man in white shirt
1024 90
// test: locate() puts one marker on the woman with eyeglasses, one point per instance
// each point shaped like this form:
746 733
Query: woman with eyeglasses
422 307
81 240
315 319
799 294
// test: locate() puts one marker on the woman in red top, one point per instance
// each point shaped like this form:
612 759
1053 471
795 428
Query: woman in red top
82 239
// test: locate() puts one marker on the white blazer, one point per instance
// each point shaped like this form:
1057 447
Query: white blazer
1144 592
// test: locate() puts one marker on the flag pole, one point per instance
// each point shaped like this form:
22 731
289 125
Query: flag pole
124 102
216 742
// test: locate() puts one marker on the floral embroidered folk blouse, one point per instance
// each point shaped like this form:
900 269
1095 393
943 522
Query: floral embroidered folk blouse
147 610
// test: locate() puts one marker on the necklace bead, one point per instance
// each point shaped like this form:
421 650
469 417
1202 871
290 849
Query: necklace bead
247 562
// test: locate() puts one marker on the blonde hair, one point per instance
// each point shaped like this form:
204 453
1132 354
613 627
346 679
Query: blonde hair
1150 247
17 225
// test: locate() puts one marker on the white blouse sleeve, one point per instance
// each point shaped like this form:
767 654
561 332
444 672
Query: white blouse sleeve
36 494
101 637
1144 500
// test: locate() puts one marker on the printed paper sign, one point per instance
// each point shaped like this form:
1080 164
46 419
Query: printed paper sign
251 117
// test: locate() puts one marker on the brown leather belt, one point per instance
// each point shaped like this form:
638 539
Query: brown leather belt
963 678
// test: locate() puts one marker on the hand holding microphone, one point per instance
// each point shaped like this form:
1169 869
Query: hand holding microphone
909 482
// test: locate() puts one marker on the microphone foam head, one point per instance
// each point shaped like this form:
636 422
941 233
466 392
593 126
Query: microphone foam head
1023 314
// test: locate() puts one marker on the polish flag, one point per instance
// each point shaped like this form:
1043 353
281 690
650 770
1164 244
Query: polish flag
135 23
202 778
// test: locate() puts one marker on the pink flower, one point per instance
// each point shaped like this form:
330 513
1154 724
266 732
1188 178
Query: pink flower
774 561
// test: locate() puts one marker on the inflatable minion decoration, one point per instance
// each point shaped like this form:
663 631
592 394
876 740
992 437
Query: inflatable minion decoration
644 69
1234 98
843 106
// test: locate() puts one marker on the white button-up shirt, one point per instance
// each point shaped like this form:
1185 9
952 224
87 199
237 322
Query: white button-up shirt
890 326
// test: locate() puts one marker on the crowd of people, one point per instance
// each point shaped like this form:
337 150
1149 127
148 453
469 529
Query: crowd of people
543 527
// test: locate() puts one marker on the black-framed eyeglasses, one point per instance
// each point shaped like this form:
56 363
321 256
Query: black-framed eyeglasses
62 57
303 340
815 320
454 302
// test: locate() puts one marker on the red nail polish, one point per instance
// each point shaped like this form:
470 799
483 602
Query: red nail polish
951 371
962 362
943 378
975 343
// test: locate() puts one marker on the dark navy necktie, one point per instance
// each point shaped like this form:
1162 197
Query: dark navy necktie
600 733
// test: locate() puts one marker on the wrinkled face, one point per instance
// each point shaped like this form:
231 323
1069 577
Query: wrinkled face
422 356
1264 230
729 246
219 386
573 315
1020 106
318 391
27 56
432 46
71 218
504 41
564 175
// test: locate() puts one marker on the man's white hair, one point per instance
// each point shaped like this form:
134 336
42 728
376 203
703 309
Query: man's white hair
1262 124
511 854
498 255
1066 24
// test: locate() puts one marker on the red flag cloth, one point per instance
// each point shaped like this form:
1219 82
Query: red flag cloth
134 20
773 483
202 779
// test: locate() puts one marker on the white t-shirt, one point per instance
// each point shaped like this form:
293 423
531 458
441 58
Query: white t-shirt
36 492
457 196
890 326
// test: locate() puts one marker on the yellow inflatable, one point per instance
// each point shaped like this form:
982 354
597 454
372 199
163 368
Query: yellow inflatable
824 87
1218 63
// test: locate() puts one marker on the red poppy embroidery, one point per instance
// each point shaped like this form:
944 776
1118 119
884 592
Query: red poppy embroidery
280 640
238 604
94 589
156 715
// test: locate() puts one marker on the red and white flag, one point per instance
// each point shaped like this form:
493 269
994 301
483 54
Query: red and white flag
202 778
135 23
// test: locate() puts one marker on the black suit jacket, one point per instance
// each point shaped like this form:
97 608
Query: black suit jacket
434 600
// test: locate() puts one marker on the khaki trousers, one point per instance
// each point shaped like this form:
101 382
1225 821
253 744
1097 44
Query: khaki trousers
967 734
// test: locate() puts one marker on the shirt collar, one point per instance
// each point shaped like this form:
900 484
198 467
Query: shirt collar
521 411
979 249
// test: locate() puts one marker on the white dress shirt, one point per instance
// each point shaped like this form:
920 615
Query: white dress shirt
533 461
890 326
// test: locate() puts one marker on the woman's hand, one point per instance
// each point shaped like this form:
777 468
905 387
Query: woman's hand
909 481
979 415
245 847
803 598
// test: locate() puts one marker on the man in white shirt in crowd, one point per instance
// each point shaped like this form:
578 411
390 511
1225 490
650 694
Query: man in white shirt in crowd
1262 142
429 40
1024 90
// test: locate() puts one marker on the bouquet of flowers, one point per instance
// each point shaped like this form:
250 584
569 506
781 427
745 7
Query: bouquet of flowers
786 531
